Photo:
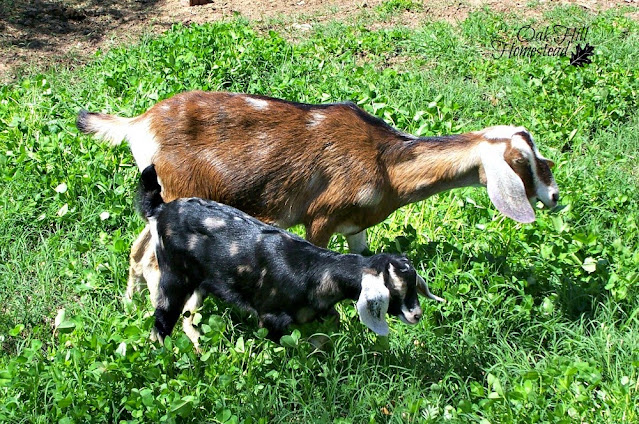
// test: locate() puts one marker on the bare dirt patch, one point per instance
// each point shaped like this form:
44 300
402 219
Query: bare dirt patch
42 33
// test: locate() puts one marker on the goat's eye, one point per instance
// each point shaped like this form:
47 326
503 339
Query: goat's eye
520 161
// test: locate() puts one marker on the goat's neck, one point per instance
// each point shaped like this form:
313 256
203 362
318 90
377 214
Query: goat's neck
422 167
345 274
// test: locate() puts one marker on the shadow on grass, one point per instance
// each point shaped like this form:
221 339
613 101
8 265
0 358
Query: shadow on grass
45 24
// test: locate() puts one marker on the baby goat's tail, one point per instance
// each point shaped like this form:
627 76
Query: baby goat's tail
149 193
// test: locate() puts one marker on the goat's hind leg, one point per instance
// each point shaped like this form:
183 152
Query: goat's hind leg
137 262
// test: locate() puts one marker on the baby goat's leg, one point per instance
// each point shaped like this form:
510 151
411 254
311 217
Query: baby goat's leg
170 302
194 302
276 325
151 274
136 262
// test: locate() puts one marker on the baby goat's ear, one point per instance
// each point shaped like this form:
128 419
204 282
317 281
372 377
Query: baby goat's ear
373 301
505 189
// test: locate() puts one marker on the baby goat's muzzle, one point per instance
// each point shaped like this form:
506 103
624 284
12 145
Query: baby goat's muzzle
412 316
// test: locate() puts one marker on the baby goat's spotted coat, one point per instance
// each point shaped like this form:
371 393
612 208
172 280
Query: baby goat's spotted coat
206 247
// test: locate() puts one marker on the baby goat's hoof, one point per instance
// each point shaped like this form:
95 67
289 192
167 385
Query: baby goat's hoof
156 337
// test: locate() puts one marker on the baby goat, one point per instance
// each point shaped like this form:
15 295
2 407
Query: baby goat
206 247
332 167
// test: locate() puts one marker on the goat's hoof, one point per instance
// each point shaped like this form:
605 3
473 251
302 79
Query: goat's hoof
156 337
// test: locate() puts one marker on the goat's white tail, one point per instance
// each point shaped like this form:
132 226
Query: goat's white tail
110 128
114 129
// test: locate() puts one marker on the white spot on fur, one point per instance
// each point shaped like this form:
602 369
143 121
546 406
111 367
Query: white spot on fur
234 248
137 132
263 148
161 301
259 104
153 225
316 119
327 285
244 269
193 242
212 158
211 223
260 280
368 195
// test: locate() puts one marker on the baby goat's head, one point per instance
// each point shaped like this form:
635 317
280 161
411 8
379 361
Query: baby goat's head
515 173
390 285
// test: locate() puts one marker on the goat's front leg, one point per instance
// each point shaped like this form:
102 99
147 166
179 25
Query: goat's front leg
191 306
276 324
319 232
357 243
171 299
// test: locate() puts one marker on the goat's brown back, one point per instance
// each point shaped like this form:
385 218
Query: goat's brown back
279 161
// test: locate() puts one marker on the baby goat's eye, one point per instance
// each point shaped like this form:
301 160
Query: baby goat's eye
520 160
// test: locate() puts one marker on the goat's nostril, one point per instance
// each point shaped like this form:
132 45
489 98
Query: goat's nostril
555 197
417 317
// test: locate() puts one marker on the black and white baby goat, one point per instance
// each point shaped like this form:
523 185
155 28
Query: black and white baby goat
206 247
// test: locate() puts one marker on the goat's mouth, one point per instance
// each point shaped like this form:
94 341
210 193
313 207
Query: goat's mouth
549 196
550 204
410 319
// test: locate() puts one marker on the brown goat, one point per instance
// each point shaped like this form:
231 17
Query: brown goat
333 167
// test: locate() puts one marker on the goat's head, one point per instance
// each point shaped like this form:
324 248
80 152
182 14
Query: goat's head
390 285
516 175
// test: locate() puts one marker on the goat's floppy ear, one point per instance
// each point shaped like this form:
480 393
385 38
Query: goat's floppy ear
422 288
372 304
505 189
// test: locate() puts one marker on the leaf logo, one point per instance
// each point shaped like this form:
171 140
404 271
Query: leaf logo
581 56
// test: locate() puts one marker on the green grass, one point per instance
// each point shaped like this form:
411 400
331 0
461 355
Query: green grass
541 320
